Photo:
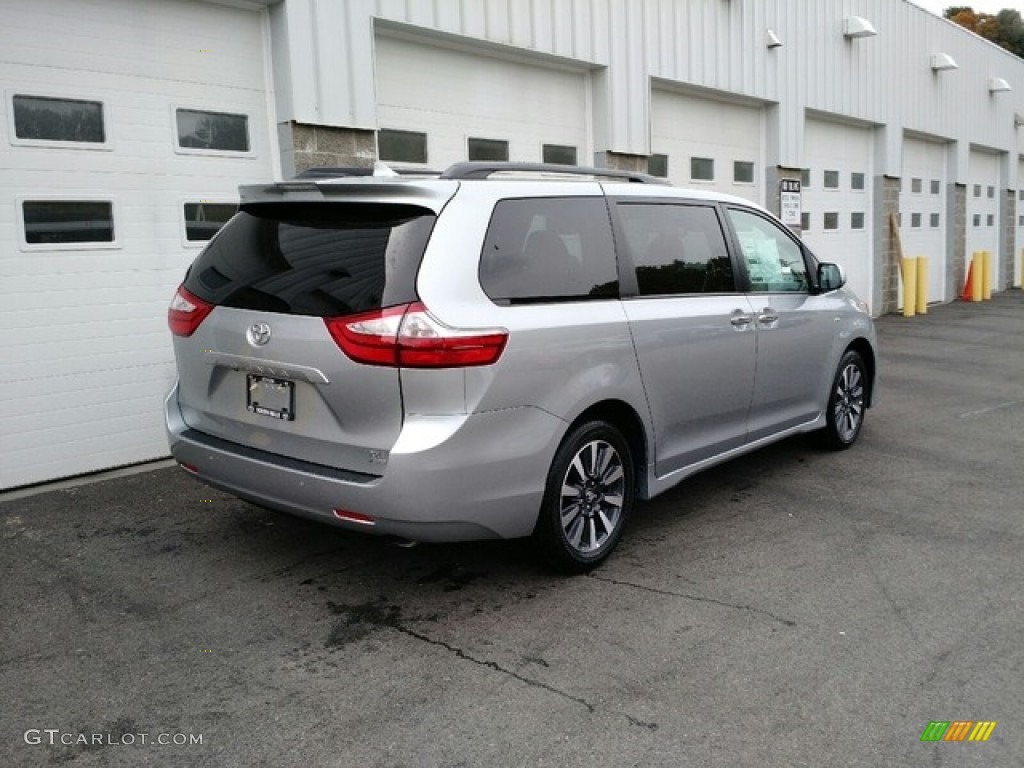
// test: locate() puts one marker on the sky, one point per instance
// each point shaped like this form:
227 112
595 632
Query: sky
983 6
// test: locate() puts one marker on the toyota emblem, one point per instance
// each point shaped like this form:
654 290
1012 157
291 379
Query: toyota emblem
258 334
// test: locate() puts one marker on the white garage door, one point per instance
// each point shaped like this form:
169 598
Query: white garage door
837 199
983 208
923 209
1018 268
94 195
708 143
506 107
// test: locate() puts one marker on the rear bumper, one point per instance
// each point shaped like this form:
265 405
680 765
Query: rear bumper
448 478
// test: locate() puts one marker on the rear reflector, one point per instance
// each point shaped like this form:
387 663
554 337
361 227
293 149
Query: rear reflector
189 468
354 517
408 336
186 312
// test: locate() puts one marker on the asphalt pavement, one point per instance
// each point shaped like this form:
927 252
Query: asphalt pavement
791 608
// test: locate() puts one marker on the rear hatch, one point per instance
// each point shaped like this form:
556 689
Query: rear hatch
257 362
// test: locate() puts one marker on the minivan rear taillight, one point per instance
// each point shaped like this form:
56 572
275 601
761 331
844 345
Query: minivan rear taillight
186 312
408 336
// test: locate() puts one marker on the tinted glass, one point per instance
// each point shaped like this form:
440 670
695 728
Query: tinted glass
742 171
488 149
805 221
314 259
805 177
702 168
657 165
857 220
915 220
402 146
915 186
991 191
856 181
202 220
831 179
549 249
212 130
65 221
676 249
934 186
559 154
831 220
934 220
773 260
39 117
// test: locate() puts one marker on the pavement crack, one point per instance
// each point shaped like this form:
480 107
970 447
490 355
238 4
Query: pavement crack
493 665
696 598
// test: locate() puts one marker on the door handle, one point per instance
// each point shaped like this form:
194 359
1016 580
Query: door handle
740 320
767 317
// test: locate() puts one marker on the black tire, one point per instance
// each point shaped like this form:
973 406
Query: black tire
846 403
594 464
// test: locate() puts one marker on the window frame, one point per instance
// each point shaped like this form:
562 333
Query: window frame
106 145
199 151
183 224
629 288
69 197
743 281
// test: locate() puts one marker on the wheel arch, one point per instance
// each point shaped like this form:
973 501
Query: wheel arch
624 417
867 353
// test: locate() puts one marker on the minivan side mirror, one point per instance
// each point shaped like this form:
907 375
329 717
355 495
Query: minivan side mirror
831 277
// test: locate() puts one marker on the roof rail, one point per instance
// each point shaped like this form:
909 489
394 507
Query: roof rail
482 170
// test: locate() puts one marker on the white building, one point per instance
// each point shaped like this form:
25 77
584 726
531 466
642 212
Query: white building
129 125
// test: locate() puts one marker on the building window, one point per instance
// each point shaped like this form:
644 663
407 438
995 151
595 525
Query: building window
977 190
202 220
991 192
559 154
857 220
42 118
935 186
1020 220
933 220
831 180
488 149
657 165
702 169
743 172
212 131
977 220
401 146
990 220
857 181
831 221
915 221
1020 194
805 179
916 186
805 221
56 222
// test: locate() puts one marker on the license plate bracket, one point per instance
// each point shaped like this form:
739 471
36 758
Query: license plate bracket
271 397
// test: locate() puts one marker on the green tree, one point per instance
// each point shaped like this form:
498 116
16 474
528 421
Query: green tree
1005 29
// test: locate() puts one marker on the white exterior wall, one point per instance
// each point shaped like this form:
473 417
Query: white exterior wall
714 44
85 354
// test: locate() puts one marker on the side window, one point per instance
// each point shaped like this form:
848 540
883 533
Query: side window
676 248
549 249
773 259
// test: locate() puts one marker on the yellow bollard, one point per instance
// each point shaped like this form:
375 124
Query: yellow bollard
977 264
922 285
986 283
909 286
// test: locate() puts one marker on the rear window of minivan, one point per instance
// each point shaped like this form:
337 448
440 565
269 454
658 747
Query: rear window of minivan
320 259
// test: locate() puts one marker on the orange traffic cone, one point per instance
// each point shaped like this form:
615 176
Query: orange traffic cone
969 286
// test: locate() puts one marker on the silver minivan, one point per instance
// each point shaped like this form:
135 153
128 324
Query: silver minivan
502 350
